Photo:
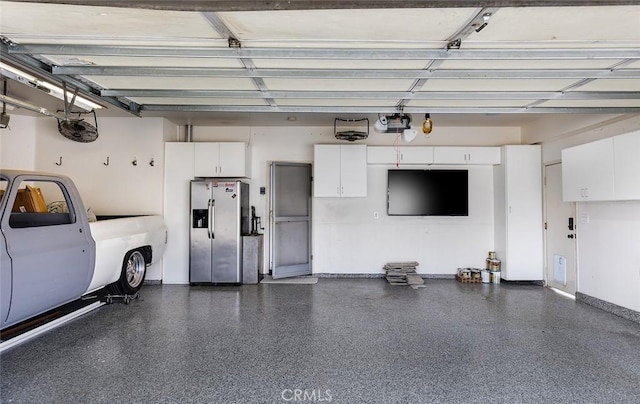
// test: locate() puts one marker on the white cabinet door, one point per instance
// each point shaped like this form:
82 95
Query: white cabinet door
450 155
221 159
483 155
382 155
402 155
518 213
587 172
326 171
626 150
233 160
573 182
466 155
207 159
523 184
353 170
339 170
416 155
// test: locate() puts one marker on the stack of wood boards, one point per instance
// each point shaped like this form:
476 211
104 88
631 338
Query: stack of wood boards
403 273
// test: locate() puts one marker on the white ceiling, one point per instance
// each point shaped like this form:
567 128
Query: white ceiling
316 87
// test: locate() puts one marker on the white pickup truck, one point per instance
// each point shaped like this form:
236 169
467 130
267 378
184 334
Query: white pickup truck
51 254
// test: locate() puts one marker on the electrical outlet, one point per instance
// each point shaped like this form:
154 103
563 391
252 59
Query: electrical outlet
584 218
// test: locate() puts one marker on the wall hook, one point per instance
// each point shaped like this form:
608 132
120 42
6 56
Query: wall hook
152 163
107 163
135 161
60 163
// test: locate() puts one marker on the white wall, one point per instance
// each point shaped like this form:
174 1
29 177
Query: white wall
608 233
346 237
18 143
119 188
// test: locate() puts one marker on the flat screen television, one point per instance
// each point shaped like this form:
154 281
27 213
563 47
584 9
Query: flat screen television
428 193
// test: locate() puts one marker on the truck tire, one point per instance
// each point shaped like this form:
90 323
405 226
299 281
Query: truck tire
134 269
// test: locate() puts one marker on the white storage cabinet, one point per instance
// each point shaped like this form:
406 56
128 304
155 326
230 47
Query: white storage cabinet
339 171
221 159
518 226
466 155
399 155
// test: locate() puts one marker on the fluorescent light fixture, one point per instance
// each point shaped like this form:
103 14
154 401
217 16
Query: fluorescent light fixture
52 89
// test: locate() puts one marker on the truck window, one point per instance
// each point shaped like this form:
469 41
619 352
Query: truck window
40 203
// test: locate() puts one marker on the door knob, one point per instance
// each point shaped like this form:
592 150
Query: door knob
571 236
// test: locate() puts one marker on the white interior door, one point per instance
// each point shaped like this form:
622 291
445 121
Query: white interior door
560 234
290 219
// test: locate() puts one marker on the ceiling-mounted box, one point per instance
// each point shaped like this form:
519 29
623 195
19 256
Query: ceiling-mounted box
349 132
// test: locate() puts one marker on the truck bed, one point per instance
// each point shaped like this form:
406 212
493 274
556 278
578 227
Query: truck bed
114 237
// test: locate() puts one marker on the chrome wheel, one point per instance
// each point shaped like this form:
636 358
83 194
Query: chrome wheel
136 268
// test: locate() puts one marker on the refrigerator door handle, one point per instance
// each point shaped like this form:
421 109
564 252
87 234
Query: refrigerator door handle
212 218
209 219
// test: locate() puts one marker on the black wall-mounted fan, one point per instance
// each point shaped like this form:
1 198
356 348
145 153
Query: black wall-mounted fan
77 129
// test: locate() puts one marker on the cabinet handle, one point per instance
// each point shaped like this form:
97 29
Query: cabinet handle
338 190
401 156
341 190
220 169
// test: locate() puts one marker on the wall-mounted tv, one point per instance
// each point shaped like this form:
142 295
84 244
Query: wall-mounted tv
428 193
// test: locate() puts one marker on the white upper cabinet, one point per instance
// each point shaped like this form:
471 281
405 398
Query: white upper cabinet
466 155
588 172
626 151
340 170
221 159
400 155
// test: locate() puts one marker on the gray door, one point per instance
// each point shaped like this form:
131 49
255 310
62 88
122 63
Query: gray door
51 253
290 219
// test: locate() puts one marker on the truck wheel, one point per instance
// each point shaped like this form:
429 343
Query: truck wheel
134 269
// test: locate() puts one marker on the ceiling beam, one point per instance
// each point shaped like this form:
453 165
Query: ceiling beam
326 53
250 5
381 95
390 110
224 31
347 73
40 69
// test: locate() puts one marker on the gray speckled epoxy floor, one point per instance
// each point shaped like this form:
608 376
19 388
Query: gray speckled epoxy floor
341 340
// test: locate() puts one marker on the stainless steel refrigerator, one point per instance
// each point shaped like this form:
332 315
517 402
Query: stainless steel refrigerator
219 218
